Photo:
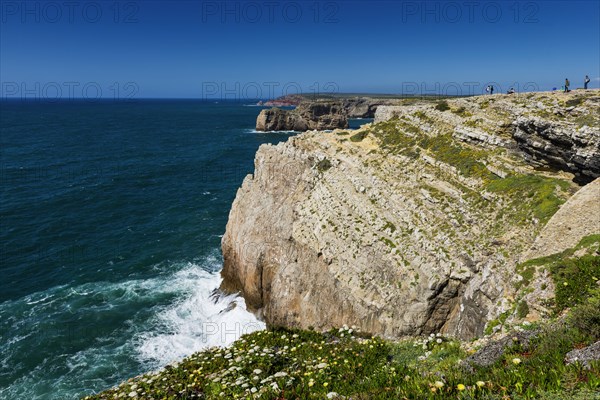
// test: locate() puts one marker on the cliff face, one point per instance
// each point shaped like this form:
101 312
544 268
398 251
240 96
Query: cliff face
411 225
307 116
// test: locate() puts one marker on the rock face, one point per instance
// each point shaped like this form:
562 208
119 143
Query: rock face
365 107
410 226
307 116
549 144
577 218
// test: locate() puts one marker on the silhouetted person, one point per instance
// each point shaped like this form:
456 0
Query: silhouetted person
567 84
491 89
585 82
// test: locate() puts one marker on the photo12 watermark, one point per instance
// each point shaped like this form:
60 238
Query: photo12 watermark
248 91
463 89
71 12
68 90
224 333
270 12
470 12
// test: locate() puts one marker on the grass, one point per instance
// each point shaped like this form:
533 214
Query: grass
576 278
462 111
467 160
359 137
303 364
534 193
442 106
527 272
590 120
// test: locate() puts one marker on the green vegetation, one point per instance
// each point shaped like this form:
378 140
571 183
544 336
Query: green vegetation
489 329
342 133
537 192
574 102
464 158
295 364
586 317
522 309
462 112
389 225
324 165
421 115
590 119
359 136
527 272
442 106
529 196
576 278
388 242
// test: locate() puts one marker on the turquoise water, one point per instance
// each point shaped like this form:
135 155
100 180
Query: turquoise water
111 220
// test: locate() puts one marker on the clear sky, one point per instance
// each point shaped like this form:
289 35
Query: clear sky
244 49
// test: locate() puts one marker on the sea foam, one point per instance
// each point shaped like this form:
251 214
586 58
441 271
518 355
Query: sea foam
202 318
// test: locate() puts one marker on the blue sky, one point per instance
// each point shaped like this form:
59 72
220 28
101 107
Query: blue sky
243 49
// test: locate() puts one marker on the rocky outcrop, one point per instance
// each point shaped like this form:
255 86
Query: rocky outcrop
491 352
355 106
584 356
413 225
276 119
557 131
307 116
365 107
548 143
577 218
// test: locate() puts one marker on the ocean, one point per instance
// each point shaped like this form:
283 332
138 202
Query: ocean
111 219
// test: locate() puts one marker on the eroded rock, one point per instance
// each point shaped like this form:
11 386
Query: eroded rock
584 356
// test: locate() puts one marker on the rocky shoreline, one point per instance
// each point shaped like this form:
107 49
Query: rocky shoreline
439 222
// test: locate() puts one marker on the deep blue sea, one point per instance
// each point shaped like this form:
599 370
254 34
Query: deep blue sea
111 219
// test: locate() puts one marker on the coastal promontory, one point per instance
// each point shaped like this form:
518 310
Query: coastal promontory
422 222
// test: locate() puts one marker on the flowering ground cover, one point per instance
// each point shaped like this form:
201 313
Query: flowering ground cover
343 363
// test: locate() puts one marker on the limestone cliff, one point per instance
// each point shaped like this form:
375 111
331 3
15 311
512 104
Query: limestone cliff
307 116
411 225
365 107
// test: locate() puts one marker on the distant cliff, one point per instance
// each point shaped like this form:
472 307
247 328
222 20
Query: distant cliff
417 223
307 116
321 114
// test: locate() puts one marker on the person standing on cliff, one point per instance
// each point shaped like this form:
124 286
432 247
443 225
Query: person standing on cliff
491 89
586 81
567 84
